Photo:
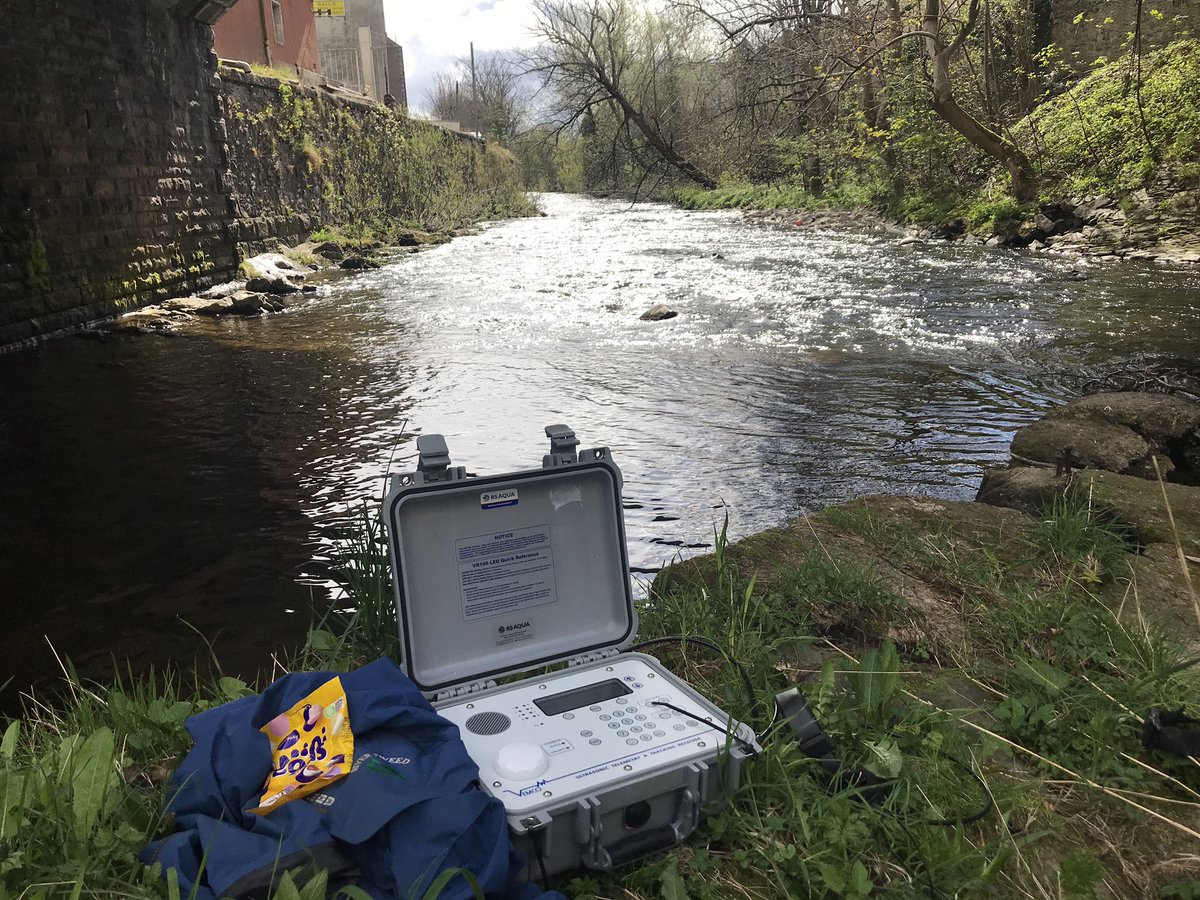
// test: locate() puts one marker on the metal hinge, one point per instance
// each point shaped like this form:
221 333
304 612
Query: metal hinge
595 656
433 461
462 690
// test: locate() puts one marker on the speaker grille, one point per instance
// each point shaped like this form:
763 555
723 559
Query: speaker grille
488 723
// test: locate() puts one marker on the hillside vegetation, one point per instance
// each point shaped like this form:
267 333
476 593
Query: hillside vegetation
1108 135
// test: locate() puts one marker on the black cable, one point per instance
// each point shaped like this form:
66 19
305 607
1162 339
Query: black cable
934 893
988 801
536 839
699 717
705 642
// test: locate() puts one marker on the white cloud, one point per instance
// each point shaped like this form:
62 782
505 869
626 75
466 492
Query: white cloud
435 34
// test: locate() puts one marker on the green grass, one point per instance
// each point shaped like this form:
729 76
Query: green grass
281 73
1043 703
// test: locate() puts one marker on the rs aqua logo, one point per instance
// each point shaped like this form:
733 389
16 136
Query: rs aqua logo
490 499
516 626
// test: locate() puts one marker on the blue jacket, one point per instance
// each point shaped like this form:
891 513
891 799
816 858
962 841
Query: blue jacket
409 811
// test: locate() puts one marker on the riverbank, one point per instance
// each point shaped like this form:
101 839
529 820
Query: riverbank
272 281
1117 168
1029 633
938 642
1162 226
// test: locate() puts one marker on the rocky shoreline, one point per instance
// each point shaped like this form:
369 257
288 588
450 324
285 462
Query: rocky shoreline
1108 448
269 283
1155 223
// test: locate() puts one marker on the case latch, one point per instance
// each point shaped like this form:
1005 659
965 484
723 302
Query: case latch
433 461
562 447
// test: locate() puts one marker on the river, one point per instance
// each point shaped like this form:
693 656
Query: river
156 489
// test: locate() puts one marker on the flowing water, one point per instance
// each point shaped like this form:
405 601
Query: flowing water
159 488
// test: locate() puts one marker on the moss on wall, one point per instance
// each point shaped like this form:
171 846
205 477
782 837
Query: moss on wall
301 159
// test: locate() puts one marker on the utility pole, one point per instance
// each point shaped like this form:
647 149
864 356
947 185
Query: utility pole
474 94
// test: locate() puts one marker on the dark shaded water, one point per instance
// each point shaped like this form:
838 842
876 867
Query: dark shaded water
152 482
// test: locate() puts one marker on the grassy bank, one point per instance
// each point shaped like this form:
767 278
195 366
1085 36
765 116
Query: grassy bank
1126 126
990 663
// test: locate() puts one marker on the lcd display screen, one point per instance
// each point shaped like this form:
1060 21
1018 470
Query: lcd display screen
556 704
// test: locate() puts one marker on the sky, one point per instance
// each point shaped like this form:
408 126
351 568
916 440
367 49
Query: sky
435 33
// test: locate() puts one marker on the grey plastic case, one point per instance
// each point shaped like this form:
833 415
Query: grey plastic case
501 575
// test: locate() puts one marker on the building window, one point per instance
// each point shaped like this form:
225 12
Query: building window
277 14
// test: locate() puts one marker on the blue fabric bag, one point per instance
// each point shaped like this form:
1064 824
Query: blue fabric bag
408 811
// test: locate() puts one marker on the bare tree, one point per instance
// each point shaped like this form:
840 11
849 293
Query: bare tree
942 53
492 100
601 53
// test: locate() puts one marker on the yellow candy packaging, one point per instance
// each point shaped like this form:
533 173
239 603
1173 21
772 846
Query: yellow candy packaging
311 746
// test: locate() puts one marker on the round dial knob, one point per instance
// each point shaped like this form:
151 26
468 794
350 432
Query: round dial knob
520 761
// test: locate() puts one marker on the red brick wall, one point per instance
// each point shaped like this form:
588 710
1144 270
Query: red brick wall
239 34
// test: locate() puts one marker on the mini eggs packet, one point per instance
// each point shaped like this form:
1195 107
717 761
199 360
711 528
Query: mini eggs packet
311 746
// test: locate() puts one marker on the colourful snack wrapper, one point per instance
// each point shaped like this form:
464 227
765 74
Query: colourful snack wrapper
311 746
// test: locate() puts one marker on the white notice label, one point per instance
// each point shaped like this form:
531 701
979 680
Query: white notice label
504 573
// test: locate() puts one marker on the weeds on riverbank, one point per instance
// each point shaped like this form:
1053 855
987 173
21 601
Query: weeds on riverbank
1100 137
1040 702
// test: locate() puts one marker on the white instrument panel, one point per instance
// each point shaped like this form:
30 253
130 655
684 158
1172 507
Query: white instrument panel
579 731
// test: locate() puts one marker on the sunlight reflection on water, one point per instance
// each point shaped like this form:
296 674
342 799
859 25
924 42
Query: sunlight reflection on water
805 367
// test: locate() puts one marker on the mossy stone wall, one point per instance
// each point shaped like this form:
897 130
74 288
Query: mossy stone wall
111 163
302 158
133 170
1087 30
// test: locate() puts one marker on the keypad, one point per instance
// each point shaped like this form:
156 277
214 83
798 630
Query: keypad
635 718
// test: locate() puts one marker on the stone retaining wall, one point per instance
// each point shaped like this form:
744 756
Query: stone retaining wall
302 157
1086 30
132 171
111 163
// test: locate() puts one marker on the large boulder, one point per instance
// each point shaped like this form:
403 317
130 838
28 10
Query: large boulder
272 266
326 249
249 303
1133 502
358 262
1118 432
865 541
217 291
198 306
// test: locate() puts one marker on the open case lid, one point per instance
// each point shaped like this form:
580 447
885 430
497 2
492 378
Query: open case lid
511 572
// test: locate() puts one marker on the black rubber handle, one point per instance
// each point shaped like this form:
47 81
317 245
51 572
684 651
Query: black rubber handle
630 848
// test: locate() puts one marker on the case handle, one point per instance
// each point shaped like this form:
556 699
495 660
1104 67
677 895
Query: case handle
637 845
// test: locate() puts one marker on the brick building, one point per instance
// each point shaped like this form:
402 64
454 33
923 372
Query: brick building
272 32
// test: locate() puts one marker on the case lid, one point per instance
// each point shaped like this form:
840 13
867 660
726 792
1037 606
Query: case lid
506 573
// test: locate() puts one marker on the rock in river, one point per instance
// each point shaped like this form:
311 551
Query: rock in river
658 312
274 285
358 262
198 305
